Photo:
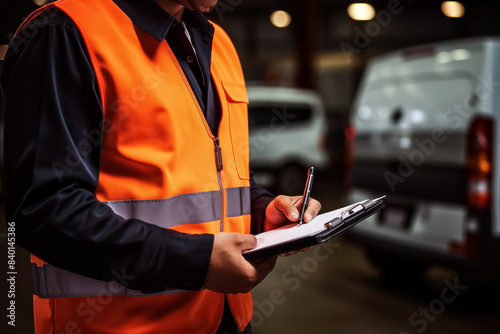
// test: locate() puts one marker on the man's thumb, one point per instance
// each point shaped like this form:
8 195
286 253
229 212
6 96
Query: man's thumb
248 241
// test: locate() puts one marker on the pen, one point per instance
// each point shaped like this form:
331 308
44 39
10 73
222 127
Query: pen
307 193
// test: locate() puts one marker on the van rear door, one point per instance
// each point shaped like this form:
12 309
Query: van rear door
411 117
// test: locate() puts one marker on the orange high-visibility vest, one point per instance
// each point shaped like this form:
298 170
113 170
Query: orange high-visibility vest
159 163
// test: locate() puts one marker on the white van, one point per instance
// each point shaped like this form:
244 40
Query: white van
288 133
426 121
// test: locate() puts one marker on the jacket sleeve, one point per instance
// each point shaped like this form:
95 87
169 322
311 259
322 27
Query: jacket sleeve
260 199
51 106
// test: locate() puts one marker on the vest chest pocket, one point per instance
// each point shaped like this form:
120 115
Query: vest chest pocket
237 104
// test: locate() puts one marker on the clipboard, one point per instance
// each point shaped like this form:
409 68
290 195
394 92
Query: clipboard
321 229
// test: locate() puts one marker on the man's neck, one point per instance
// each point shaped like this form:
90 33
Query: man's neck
172 7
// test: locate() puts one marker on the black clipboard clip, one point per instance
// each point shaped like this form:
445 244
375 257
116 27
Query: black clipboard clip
351 215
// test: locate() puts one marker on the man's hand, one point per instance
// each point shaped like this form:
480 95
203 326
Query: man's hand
285 209
228 271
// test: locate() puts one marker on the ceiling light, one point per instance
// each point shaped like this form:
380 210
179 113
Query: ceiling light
281 19
361 11
453 9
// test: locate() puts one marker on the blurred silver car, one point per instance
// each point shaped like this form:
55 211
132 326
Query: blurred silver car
288 134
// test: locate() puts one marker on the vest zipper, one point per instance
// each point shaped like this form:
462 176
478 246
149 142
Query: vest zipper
219 165
218 155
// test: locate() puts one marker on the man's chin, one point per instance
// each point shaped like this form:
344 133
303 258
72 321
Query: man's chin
203 6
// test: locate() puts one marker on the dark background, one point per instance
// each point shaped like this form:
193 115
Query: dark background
307 54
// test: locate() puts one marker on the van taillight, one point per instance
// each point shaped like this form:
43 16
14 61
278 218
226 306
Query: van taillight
479 164
349 137
479 155
350 133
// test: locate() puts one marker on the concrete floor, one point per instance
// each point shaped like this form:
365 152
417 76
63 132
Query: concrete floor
342 293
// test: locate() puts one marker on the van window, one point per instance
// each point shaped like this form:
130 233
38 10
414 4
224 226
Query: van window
431 91
427 100
431 87
277 115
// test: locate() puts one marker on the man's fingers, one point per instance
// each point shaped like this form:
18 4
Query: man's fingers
312 210
264 267
286 205
284 209
306 249
228 271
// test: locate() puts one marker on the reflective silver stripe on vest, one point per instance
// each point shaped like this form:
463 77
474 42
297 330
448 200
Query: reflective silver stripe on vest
185 209
52 282
238 201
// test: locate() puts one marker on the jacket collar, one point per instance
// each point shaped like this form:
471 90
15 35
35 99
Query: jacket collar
154 20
